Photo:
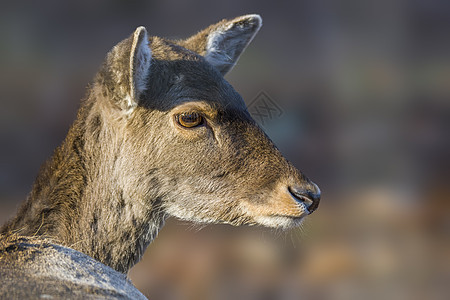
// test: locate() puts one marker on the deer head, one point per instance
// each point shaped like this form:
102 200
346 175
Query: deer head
181 137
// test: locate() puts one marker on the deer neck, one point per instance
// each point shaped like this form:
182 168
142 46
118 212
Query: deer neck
80 201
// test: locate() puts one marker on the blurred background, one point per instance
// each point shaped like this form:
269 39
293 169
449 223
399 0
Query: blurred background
364 87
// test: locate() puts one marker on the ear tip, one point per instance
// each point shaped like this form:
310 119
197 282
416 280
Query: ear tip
254 19
141 31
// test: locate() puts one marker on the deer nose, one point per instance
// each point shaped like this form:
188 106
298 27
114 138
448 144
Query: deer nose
309 195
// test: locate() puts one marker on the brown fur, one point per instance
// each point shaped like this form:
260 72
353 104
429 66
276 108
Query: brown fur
126 164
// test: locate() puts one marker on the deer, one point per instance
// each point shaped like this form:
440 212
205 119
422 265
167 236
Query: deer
159 134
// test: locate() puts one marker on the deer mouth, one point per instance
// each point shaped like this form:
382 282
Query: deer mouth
287 207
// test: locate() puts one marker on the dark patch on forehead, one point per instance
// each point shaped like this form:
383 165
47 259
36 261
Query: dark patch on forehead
178 75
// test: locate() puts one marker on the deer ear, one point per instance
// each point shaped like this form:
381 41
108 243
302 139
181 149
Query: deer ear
127 70
222 44
140 57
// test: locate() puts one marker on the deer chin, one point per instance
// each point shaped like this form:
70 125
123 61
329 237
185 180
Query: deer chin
281 219
282 222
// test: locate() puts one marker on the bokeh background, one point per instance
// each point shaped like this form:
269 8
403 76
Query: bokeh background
365 90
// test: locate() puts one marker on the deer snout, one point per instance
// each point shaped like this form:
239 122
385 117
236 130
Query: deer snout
308 195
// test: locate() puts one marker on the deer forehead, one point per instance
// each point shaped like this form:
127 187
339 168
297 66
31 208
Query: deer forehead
176 82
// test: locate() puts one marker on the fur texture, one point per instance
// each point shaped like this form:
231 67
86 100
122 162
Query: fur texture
127 163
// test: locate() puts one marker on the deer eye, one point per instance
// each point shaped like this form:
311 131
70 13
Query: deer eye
190 119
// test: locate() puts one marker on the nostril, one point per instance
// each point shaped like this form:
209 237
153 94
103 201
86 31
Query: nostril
309 196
